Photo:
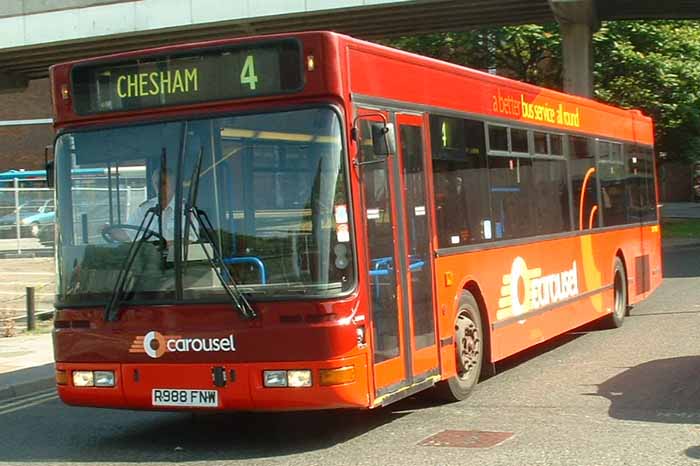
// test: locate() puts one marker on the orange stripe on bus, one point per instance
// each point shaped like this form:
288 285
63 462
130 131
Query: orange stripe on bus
589 173
590 219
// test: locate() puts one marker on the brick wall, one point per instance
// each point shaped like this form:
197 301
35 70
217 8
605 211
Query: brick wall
23 146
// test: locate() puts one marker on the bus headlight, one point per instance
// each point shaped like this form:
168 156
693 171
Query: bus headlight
93 379
83 379
275 378
104 378
299 378
293 378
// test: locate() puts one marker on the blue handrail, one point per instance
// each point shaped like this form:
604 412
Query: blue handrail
249 260
382 266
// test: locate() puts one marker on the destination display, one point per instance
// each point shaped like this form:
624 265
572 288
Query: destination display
237 72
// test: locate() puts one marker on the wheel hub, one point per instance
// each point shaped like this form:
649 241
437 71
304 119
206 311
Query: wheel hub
467 347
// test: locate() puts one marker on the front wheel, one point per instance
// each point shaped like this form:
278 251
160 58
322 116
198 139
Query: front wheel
469 351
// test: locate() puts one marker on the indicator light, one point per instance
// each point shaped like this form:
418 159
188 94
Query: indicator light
310 63
336 376
65 93
449 279
61 377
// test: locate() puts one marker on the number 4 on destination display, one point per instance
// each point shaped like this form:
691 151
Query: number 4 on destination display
248 75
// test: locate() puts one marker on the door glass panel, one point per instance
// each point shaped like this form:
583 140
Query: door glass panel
380 246
418 237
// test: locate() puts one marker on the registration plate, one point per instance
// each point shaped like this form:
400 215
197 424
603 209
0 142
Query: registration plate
185 398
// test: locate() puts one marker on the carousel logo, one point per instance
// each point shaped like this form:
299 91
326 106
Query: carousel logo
155 344
526 289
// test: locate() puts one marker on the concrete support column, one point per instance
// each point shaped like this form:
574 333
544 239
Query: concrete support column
577 22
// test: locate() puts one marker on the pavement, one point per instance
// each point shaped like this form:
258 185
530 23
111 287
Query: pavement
26 365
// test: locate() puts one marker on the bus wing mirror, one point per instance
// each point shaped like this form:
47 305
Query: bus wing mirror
49 166
383 138
50 174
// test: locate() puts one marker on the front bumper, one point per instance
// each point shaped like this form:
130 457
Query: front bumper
135 383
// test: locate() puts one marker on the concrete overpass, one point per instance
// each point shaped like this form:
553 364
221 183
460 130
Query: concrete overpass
36 33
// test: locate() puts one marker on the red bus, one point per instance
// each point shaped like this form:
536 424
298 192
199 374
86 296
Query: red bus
323 222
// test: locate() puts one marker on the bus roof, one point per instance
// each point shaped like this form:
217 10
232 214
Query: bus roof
387 74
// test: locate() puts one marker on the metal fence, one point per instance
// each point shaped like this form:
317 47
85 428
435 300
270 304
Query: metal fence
28 215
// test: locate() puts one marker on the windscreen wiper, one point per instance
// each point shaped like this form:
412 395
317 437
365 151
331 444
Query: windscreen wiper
145 232
191 197
216 261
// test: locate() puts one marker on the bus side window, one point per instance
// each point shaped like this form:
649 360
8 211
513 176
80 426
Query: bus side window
460 180
611 169
584 182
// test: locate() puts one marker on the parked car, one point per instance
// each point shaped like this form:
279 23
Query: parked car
45 217
46 234
97 216
32 214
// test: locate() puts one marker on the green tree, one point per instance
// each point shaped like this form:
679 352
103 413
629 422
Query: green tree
650 65
529 53
654 66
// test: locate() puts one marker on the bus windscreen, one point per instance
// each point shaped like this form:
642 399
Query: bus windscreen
231 72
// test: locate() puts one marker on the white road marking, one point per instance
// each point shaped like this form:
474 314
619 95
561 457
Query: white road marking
24 398
28 403
8 411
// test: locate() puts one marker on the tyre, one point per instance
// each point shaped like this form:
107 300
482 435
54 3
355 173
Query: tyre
35 229
617 317
469 352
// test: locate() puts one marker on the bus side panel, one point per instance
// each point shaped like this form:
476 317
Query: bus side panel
645 266
397 76
534 292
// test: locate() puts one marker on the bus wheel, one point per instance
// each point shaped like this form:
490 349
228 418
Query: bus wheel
469 351
617 317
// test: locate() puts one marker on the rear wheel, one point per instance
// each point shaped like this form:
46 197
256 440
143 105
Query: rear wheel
469 351
617 317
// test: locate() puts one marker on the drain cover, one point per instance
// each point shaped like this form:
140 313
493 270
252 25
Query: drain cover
465 439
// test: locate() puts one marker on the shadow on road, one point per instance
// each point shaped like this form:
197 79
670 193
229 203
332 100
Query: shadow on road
663 390
91 435
693 452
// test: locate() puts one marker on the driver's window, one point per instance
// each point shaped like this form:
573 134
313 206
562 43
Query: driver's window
106 194
104 191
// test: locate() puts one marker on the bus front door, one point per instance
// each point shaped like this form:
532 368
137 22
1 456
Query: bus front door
397 239
416 223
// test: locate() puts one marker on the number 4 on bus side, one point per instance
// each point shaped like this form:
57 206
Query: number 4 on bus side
248 75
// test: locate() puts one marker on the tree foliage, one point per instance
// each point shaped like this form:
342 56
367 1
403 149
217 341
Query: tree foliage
654 66
529 53
650 65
